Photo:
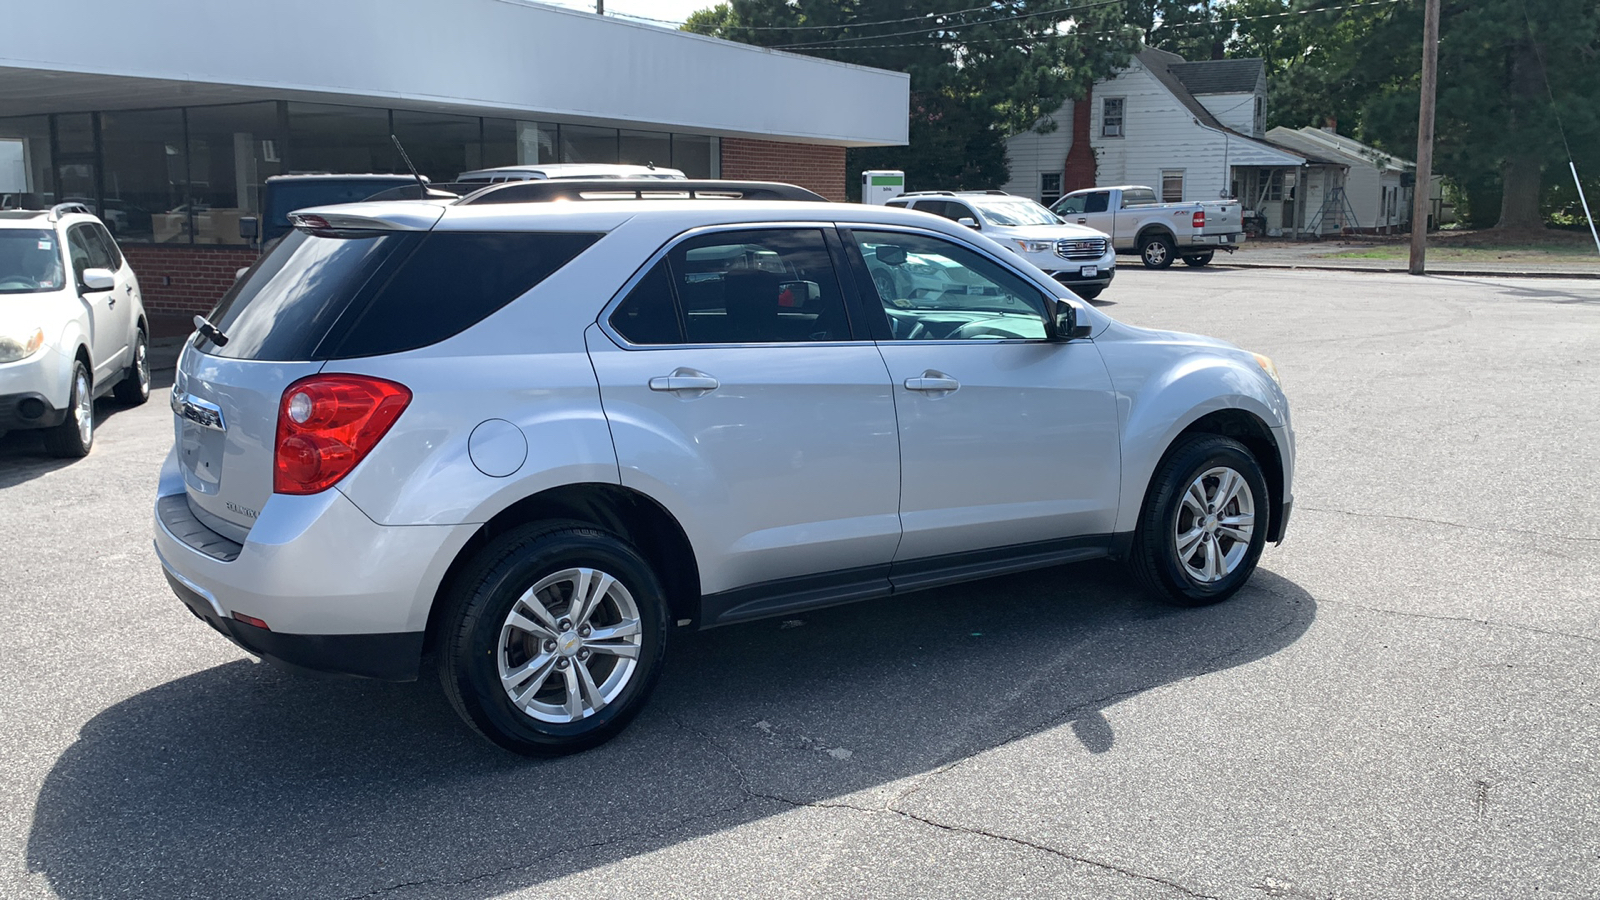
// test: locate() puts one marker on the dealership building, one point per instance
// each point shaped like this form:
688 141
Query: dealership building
167 118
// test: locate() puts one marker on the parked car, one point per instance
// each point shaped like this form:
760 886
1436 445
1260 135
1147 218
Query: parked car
72 326
1078 257
283 194
567 170
534 438
1158 232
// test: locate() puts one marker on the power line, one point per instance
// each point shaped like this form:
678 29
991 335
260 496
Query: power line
946 28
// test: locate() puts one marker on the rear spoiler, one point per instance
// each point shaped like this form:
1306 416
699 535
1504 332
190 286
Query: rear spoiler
636 189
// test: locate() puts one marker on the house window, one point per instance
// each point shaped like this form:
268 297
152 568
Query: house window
1049 187
1275 186
1111 117
1171 185
1261 113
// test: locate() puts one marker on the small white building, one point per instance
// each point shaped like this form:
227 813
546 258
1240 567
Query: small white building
1378 186
1191 130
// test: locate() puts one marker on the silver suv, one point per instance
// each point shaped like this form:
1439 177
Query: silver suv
535 438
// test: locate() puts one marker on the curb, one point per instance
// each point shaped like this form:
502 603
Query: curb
1402 270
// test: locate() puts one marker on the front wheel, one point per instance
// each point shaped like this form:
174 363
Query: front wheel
1157 251
1196 260
554 637
1204 522
75 435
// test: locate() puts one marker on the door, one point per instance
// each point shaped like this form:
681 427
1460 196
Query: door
1097 213
124 293
1007 439
108 339
739 397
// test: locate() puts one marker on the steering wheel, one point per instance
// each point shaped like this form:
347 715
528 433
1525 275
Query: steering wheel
984 329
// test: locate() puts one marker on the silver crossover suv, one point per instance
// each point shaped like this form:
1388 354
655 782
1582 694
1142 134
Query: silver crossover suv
535 438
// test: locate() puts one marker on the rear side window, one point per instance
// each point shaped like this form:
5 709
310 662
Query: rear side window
452 281
320 297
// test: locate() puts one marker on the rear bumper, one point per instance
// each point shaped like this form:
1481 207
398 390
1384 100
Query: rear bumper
338 592
1215 241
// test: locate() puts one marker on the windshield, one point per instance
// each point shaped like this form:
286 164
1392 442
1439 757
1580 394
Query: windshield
30 261
1015 211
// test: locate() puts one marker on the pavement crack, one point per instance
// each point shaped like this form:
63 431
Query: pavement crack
1468 620
1526 532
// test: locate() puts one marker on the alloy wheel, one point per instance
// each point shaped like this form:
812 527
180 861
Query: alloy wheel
569 645
1215 522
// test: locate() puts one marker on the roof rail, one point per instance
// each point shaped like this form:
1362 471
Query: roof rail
929 194
62 209
637 189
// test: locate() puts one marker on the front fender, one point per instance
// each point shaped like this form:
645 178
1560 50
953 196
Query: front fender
1165 386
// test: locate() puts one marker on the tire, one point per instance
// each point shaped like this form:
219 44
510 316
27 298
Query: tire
1157 251
495 626
1196 260
1187 578
73 438
134 388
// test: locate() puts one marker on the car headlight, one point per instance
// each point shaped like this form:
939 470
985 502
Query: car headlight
1265 362
12 349
1035 246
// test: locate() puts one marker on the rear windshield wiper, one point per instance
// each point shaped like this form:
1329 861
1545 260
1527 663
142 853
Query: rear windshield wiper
209 331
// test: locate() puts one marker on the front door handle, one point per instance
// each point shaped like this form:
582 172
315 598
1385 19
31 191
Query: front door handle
933 382
685 380
1083 221
111 303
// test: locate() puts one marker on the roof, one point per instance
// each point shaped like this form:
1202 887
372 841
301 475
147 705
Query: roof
1312 150
1347 149
1160 64
1221 76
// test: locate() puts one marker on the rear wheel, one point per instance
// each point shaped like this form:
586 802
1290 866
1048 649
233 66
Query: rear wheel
134 388
554 637
1204 522
1196 260
74 436
1157 251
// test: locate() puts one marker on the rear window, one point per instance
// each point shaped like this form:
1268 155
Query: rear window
316 297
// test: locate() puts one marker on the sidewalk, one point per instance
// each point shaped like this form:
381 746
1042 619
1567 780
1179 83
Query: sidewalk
1270 254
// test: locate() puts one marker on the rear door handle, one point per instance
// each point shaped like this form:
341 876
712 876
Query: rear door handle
933 382
684 380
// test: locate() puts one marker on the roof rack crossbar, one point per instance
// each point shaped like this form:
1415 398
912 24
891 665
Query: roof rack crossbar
640 189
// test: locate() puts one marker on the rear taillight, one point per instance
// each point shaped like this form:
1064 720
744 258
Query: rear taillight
327 424
1200 218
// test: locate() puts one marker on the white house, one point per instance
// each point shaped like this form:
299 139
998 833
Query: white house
1378 185
1193 131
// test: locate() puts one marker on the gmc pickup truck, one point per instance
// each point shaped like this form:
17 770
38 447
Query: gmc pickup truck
1158 232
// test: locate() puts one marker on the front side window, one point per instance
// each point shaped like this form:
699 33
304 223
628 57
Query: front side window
30 261
1111 117
1070 205
766 286
935 289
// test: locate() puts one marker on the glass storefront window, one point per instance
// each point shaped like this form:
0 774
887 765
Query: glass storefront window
695 154
343 139
27 173
440 146
500 142
232 151
641 148
146 177
586 144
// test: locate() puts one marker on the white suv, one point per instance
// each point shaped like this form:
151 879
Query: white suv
72 327
537 437
1075 255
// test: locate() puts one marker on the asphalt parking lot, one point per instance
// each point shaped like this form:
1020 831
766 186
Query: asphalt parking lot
1403 703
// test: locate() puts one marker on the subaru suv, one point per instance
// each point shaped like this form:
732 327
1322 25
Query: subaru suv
1075 255
72 327
533 439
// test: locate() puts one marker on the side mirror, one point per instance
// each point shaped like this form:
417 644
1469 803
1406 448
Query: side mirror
249 227
1065 322
98 279
970 222
890 254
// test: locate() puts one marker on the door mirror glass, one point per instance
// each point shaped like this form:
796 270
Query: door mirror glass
249 227
1067 325
890 254
970 222
99 280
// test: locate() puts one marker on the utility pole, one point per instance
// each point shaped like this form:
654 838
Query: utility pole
1422 186
599 7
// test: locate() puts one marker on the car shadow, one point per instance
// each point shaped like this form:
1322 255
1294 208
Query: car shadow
241 780
22 454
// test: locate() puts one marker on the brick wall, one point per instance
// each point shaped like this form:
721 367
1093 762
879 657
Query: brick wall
181 281
1078 171
812 166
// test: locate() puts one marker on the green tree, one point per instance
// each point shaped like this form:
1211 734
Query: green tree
979 72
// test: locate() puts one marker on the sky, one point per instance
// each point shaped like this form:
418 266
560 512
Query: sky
671 10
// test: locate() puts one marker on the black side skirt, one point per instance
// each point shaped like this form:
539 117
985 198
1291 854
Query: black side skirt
789 595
